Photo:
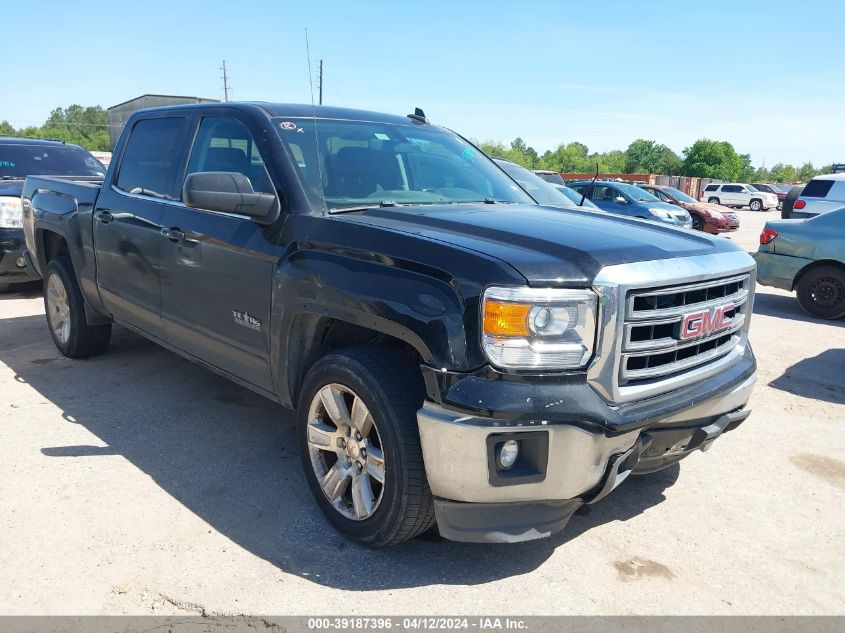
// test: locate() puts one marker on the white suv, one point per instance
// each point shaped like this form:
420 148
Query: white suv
738 194
820 195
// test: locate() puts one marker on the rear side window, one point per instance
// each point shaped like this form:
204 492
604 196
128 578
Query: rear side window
817 188
712 187
151 157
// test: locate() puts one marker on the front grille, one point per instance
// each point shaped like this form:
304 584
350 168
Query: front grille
670 330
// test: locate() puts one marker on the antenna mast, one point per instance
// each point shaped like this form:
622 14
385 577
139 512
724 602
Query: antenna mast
321 82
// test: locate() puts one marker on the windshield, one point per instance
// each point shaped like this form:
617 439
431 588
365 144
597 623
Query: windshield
678 195
537 188
635 192
20 161
352 164
575 197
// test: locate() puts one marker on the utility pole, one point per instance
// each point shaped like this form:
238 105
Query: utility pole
321 82
225 81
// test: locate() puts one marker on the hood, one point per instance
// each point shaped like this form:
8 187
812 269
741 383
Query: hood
707 206
11 188
674 209
547 246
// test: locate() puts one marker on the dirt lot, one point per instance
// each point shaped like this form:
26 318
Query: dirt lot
139 483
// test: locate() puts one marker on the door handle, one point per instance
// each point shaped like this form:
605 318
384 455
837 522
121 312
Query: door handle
174 234
104 216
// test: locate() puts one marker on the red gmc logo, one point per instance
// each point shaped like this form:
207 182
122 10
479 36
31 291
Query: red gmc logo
706 322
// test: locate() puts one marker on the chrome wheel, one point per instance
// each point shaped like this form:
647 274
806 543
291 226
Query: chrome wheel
346 451
58 309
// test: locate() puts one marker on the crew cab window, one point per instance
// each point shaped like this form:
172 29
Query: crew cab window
732 189
226 144
151 157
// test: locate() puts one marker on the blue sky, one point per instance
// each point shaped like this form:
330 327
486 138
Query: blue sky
766 76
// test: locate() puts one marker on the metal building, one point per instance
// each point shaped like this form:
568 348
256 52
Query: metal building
118 114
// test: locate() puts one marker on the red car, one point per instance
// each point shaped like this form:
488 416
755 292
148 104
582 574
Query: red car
779 190
707 217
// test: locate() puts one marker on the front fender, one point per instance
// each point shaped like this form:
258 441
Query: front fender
424 293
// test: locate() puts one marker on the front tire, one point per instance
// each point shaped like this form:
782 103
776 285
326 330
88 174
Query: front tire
756 205
697 223
65 310
360 445
821 291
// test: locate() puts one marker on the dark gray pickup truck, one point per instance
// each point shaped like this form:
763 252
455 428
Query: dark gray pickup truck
456 354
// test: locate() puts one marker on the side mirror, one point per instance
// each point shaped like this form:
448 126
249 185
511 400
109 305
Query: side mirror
228 192
620 200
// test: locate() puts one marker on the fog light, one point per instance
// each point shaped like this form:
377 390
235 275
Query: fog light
508 452
21 263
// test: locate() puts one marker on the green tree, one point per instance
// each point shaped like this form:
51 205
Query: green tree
806 172
650 157
761 174
783 173
712 159
6 129
746 169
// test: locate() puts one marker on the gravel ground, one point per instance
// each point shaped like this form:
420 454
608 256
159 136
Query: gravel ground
139 483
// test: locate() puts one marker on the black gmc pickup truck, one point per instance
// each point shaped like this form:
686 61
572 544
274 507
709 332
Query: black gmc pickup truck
456 354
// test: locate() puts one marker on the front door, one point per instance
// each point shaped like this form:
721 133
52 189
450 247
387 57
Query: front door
127 222
217 268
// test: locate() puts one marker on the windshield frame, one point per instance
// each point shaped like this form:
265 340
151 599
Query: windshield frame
315 139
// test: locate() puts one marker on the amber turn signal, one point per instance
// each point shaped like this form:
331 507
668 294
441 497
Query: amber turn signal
506 319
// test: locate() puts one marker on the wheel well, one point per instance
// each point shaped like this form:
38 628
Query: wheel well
816 264
55 246
315 336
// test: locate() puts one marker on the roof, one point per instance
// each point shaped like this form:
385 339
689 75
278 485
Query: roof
298 111
19 140
836 176
144 96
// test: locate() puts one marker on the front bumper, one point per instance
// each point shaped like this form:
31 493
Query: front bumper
778 271
13 265
566 463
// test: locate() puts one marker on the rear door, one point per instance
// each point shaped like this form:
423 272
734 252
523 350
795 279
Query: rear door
128 216
731 195
217 271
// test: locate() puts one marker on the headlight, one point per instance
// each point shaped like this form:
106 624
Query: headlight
660 213
11 213
538 328
715 214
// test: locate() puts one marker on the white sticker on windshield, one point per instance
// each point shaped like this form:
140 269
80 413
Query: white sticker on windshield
381 136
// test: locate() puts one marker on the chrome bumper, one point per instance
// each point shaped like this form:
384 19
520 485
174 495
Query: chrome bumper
582 464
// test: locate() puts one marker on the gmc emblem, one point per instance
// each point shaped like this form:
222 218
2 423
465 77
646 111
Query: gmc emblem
706 322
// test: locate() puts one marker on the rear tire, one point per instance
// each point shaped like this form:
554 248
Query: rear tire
713 200
365 470
65 310
821 291
756 205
